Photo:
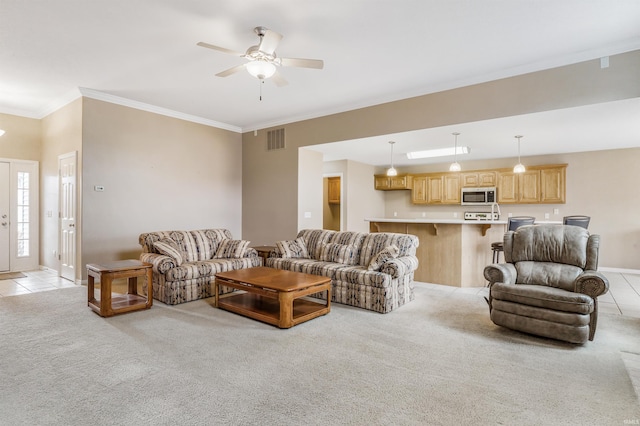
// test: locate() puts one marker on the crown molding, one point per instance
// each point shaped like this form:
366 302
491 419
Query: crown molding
106 97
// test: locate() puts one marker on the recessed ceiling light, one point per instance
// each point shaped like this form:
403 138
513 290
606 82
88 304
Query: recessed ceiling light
1 132
442 152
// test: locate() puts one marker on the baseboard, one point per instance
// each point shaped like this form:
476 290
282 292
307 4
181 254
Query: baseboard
619 270
46 268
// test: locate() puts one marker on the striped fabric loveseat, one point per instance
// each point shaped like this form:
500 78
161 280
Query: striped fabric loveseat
372 271
185 262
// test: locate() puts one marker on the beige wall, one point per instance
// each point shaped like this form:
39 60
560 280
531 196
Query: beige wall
159 173
22 138
268 177
61 134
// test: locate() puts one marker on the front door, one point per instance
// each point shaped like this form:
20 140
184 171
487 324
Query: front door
4 216
67 168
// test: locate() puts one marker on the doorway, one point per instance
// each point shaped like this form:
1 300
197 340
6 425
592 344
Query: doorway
4 216
67 235
332 202
19 220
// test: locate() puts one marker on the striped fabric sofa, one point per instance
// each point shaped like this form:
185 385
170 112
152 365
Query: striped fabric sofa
372 271
185 262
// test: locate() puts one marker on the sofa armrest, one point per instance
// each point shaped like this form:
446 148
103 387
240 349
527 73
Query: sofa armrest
592 283
161 263
251 252
500 273
400 266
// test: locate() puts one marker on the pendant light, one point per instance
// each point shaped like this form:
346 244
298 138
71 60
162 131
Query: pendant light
455 166
519 168
391 171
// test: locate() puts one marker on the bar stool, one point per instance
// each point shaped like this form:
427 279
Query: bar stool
513 223
576 220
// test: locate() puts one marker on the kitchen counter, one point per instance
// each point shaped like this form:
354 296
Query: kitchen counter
452 251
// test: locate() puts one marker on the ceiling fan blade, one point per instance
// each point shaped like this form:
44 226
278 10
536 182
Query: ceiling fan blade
220 49
278 79
230 71
302 63
269 42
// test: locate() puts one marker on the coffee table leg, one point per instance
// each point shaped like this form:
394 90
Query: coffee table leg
216 292
286 309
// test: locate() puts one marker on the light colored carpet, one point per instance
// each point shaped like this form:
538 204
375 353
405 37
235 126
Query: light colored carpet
437 360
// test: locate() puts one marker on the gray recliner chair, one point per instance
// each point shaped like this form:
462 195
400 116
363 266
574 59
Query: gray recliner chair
549 284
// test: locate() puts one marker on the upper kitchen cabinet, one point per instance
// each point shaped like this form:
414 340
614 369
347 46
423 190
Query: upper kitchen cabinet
333 189
537 185
436 189
478 179
390 183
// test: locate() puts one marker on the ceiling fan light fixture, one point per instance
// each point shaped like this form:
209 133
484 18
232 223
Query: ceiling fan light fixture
261 69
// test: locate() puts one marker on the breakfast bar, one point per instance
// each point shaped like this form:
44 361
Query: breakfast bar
452 251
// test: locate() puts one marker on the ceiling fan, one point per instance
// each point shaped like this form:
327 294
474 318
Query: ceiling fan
262 59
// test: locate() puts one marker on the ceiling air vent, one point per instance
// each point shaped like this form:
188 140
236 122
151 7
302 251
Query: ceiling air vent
275 139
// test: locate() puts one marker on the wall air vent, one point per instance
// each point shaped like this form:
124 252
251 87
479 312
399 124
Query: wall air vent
275 139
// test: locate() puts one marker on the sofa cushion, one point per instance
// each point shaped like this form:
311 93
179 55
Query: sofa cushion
231 249
168 247
187 245
293 249
558 244
207 241
339 253
548 274
387 253
543 297
315 239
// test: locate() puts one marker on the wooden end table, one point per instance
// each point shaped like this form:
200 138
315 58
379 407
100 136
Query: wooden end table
273 296
111 304
263 252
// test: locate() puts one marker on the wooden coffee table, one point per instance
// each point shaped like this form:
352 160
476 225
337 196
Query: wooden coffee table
272 295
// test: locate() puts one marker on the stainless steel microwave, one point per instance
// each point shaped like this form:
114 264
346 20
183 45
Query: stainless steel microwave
478 196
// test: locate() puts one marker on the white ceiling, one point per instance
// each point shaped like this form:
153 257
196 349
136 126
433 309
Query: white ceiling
144 51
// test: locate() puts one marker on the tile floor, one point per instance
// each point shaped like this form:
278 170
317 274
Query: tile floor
33 281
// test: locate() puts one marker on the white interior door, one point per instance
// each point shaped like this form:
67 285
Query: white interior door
67 234
4 216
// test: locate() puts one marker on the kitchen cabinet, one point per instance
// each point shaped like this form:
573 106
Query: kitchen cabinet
391 183
436 189
333 189
553 185
537 185
419 190
478 179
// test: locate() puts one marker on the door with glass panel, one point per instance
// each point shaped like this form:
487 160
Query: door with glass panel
4 216
19 178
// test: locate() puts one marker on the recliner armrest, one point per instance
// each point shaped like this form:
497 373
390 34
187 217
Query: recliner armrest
592 283
500 273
